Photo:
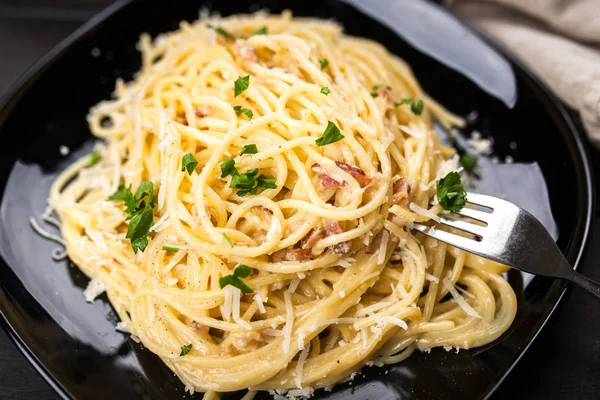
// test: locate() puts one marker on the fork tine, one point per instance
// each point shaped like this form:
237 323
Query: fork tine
450 238
475 214
463 225
483 200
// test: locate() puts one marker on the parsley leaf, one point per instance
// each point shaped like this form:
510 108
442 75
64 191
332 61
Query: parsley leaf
266 182
379 85
94 157
221 31
185 350
146 189
468 161
172 249
374 95
242 271
249 149
249 183
332 134
450 192
124 194
246 182
324 63
415 106
189 163
140 212
139 228
260 31
228 168
238 110
325 90
241 84
227 240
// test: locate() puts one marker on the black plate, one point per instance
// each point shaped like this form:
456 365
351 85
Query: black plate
74 345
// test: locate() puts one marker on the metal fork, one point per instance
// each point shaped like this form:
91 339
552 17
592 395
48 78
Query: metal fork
512 236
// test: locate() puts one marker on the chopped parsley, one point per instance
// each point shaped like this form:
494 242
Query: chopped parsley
139 207
189 163
228 168
415 106
324 63
325 90
249 149
235 279
241 84
332 134
468 161
172 249
221 31
379 85
450 192
94 158
239 110
260 31
227 240
248 182
185 350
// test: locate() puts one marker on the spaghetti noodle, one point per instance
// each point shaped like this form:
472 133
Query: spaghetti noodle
249 212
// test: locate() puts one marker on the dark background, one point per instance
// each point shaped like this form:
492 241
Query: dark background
563 363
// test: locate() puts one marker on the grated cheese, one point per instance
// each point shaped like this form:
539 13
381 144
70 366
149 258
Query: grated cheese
227 302
235 308
289 321
460 300
392 320
300 366
293 285
259 303
370 309
382 247
122 327
431 278
94 289
272 332
424 212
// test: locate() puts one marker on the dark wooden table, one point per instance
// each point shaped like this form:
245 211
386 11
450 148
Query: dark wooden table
563 363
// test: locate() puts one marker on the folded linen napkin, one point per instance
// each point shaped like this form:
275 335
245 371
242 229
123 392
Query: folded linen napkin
558 39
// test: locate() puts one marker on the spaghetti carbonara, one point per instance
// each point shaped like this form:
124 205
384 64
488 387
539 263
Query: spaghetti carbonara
248 210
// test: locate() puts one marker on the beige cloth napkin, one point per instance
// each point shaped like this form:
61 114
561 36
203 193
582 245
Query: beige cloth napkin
558 39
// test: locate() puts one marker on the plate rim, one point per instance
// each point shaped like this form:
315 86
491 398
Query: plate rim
583 225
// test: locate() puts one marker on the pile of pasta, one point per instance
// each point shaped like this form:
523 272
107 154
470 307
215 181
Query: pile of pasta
248 211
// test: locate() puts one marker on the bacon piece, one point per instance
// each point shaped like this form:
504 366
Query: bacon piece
203 111
327 181
290 255
243 50
245 341
375 244
334 228
313 236
386 94
357 173
401 192
324 230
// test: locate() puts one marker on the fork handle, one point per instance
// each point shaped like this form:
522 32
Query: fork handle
591 286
